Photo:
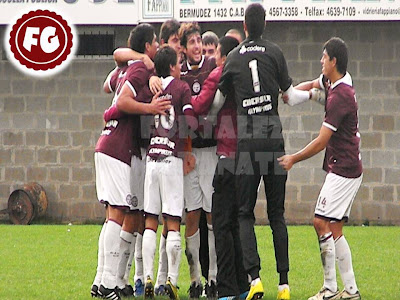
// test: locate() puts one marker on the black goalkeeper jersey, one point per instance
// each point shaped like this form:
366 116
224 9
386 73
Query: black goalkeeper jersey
257 70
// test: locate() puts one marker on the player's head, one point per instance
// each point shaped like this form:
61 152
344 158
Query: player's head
169 34
166 62
235 34
191 42
142 39
210 43
225 45
335 51
254 20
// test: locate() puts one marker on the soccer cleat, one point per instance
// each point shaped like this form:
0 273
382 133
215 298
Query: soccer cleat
171 290
127 291
256 291
195 290
284 294
159 290
345 295
94 292
139 288
111 294
325 294
227 298
211 290
149 289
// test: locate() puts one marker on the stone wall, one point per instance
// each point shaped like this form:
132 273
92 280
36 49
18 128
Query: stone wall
49 127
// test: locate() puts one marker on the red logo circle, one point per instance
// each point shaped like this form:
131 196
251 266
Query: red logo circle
41 40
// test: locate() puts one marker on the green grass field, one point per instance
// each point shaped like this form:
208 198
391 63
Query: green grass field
59 261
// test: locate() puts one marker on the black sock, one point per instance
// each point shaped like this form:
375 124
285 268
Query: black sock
283 278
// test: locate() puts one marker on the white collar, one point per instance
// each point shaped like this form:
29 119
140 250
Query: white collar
199 65
346 79
166 81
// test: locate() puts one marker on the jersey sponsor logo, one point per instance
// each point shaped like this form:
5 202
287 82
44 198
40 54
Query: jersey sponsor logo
164 152
254 48
196 87
157 140
41 43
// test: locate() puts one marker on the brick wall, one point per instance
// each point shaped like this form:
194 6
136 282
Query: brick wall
48 127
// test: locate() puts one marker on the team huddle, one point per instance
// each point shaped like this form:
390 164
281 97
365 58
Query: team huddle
193 127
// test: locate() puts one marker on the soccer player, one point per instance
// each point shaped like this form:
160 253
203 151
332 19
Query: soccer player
257 71
210 42
198 183
231 276
113 156
235 34
340 137
164 171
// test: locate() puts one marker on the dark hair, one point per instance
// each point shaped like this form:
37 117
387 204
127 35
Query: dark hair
209 37
336 47
169 28
227 44
165 57
187 29
139 36
255 20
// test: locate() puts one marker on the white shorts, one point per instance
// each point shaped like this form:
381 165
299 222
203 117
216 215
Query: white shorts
198 183
163 187
112 181
138 170
337 196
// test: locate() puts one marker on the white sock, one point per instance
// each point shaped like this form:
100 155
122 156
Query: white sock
343 256
212 269
174 252
139 258
131 255
100 257
255 281
150 244
192 254
126 239
162 262
327 248
111 254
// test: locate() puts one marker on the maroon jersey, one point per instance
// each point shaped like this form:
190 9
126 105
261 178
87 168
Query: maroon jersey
195 75
119 138
113 79
167 140
342 155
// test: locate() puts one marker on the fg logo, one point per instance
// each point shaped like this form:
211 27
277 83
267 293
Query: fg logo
41 43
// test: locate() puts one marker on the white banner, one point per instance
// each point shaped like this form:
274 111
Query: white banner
290 10
130 12
85 12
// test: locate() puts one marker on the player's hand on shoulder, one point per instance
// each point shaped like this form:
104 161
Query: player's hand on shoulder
155 84
148 62
286 162
159 105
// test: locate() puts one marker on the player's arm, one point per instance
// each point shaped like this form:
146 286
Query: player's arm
314 147
127 103
123 55
202 102
109 83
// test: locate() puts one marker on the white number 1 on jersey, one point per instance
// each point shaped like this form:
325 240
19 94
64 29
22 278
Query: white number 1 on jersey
254 75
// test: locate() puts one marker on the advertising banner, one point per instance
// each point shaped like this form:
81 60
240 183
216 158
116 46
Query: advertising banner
130 12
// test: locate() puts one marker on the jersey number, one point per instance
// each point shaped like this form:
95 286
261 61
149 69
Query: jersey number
167 121
254 75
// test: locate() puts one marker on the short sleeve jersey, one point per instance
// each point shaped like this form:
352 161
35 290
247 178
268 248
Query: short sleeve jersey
119 136
195 77
342 155
167 138
257 70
